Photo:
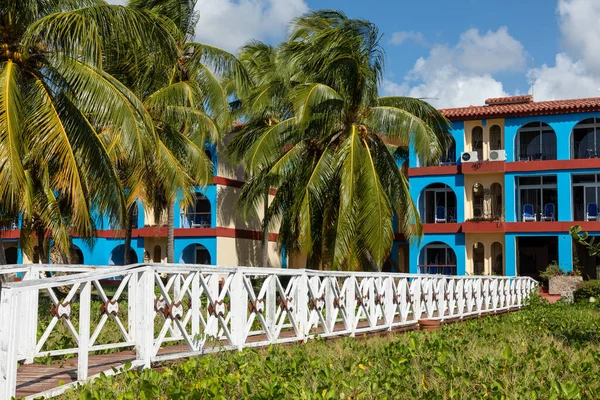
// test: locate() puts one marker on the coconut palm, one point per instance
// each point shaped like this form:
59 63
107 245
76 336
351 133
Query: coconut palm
54 99
334 159
265 103
188 106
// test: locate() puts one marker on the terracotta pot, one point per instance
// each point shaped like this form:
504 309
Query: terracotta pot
429 324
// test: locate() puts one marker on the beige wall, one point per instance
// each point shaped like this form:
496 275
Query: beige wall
485 239
469 125
150 243
486 180
297 260
245 252
224 167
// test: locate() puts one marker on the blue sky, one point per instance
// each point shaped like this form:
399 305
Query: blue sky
454 52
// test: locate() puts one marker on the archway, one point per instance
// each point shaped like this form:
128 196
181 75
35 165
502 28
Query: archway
495 137
199 215
496 200
497 259
535 141
117 256
478 192
76 255
437 258
12 255
478 258
585 139
157 254
437 204
195 254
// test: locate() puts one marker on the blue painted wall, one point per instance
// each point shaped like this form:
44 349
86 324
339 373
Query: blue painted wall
209 242
456 241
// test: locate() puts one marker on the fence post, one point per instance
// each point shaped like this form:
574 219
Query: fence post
350 305
28 318
301 310
84 330
271 305
330 311
388 300
8 343
239 310
195 305
144 314
212 330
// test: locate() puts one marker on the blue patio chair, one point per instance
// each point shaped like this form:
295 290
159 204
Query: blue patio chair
440 214
528 213
592 212
548 214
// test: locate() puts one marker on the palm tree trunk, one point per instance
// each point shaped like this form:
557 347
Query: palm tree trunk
2 252
265 232
171 233
128 231
42 254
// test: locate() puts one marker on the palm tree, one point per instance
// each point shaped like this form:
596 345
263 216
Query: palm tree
265 103
54 99
189 108
334 159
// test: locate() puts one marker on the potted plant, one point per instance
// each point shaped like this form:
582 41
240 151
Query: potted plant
559 281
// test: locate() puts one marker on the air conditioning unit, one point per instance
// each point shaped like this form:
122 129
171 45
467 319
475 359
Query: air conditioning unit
469 156
497 155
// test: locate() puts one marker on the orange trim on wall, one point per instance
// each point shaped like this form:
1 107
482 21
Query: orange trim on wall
547 165
482 167
161 231
438 170
441 228
11 234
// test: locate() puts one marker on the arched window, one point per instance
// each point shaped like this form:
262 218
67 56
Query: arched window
448 156
437 258
497 207
208 154
478 258
536 141
495 137
478 191
497 259
195 254
437 204
586 139
157 256
117 256
76 255
199 215
477 141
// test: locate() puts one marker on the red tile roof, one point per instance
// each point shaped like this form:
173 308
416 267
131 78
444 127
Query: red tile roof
519 106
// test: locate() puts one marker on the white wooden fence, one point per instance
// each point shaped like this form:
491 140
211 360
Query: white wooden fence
207 308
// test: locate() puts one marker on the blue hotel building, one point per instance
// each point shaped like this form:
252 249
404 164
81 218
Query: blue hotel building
502 199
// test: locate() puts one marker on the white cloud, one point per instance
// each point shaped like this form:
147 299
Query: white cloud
576 72
581 31
462 75
400 37
230 24
566 80
490 53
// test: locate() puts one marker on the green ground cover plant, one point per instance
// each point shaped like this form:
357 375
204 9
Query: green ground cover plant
544 351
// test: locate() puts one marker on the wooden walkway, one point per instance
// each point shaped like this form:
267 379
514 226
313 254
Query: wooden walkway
34 379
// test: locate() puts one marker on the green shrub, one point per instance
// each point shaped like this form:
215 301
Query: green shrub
545 351
588 289
553 269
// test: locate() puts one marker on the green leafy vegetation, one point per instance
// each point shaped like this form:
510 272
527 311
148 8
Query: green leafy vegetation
545 351
588 291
